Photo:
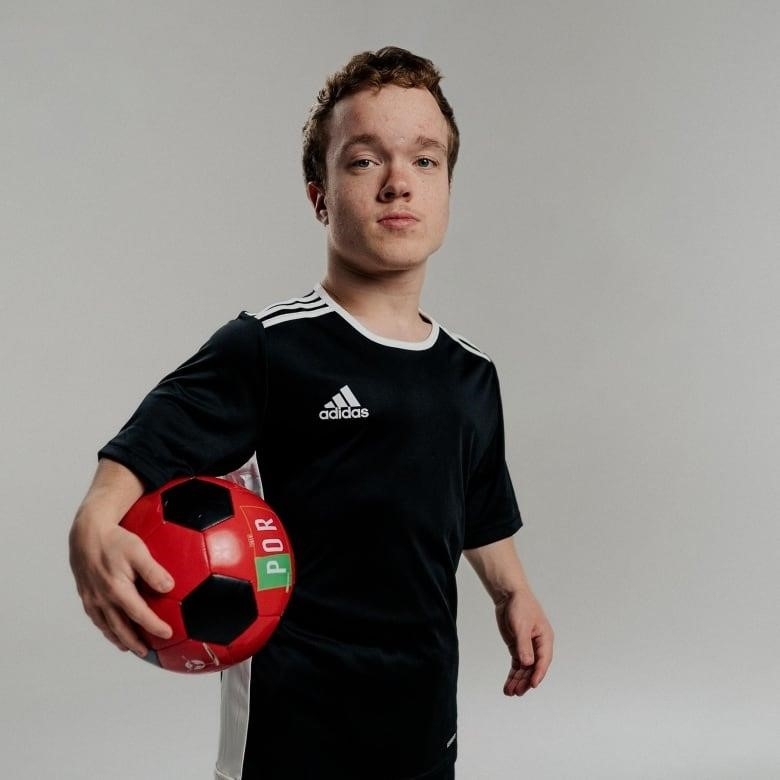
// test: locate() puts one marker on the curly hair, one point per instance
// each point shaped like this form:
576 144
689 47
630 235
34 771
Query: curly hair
372 70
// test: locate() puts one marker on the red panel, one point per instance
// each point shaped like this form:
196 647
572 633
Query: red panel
273 601
144 516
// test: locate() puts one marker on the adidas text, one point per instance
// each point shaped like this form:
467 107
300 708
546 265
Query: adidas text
343 414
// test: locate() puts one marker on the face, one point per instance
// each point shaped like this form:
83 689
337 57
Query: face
386 199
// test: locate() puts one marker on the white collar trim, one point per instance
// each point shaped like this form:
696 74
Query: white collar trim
412 345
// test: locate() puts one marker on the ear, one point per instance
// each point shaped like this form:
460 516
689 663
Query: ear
316 195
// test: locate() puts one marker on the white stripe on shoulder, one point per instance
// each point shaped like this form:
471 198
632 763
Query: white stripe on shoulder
295 315
301 302
270 312
465 344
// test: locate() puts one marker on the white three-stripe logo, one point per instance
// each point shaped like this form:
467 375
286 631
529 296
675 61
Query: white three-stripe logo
344 397
343 406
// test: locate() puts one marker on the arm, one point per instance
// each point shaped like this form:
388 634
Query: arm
106 560
200 419
521 620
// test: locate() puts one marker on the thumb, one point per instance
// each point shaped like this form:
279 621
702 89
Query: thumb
524 648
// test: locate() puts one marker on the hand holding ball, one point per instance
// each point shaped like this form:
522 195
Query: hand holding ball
232 566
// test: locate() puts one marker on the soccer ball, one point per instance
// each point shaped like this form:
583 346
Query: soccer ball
232 565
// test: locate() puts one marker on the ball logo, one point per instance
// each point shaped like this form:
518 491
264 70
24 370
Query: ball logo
199 664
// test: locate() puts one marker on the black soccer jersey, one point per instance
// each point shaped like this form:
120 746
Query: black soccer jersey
384 460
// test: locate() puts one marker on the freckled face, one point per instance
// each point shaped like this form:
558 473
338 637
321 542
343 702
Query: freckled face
387 192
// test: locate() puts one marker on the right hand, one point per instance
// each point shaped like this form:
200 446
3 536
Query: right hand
107 560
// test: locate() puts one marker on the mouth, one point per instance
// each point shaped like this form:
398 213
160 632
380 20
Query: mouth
398 220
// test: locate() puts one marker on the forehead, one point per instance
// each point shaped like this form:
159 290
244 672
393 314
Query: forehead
393 114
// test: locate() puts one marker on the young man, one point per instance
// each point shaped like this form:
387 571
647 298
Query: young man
379 439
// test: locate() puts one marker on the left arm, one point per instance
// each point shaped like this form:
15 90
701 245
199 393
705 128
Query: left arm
521 620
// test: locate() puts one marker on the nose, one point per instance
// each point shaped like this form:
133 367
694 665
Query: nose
395 185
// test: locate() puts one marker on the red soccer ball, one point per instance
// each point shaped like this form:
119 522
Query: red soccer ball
232 565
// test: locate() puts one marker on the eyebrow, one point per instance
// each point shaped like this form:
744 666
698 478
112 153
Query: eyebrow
369 139
426 143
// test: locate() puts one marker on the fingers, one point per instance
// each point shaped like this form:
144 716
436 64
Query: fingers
102 624
141 613
518 681
151 572
524 648
544 651
114 628
531 657
127 597
116 621
120 632
107 586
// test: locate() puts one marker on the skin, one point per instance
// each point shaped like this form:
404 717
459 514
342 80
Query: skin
386 155
376 269
521 620
106 560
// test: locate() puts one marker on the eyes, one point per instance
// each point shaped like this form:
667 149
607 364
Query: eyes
364 163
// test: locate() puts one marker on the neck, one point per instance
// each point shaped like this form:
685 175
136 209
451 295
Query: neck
386 304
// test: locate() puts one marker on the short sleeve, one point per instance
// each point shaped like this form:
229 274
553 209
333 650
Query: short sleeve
491 506
204 417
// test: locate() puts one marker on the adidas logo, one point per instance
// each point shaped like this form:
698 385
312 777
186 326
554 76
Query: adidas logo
343 406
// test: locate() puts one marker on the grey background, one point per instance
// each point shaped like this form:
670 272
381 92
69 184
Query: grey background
614 247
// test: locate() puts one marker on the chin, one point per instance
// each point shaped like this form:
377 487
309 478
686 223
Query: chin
388 257
404 263
401 258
